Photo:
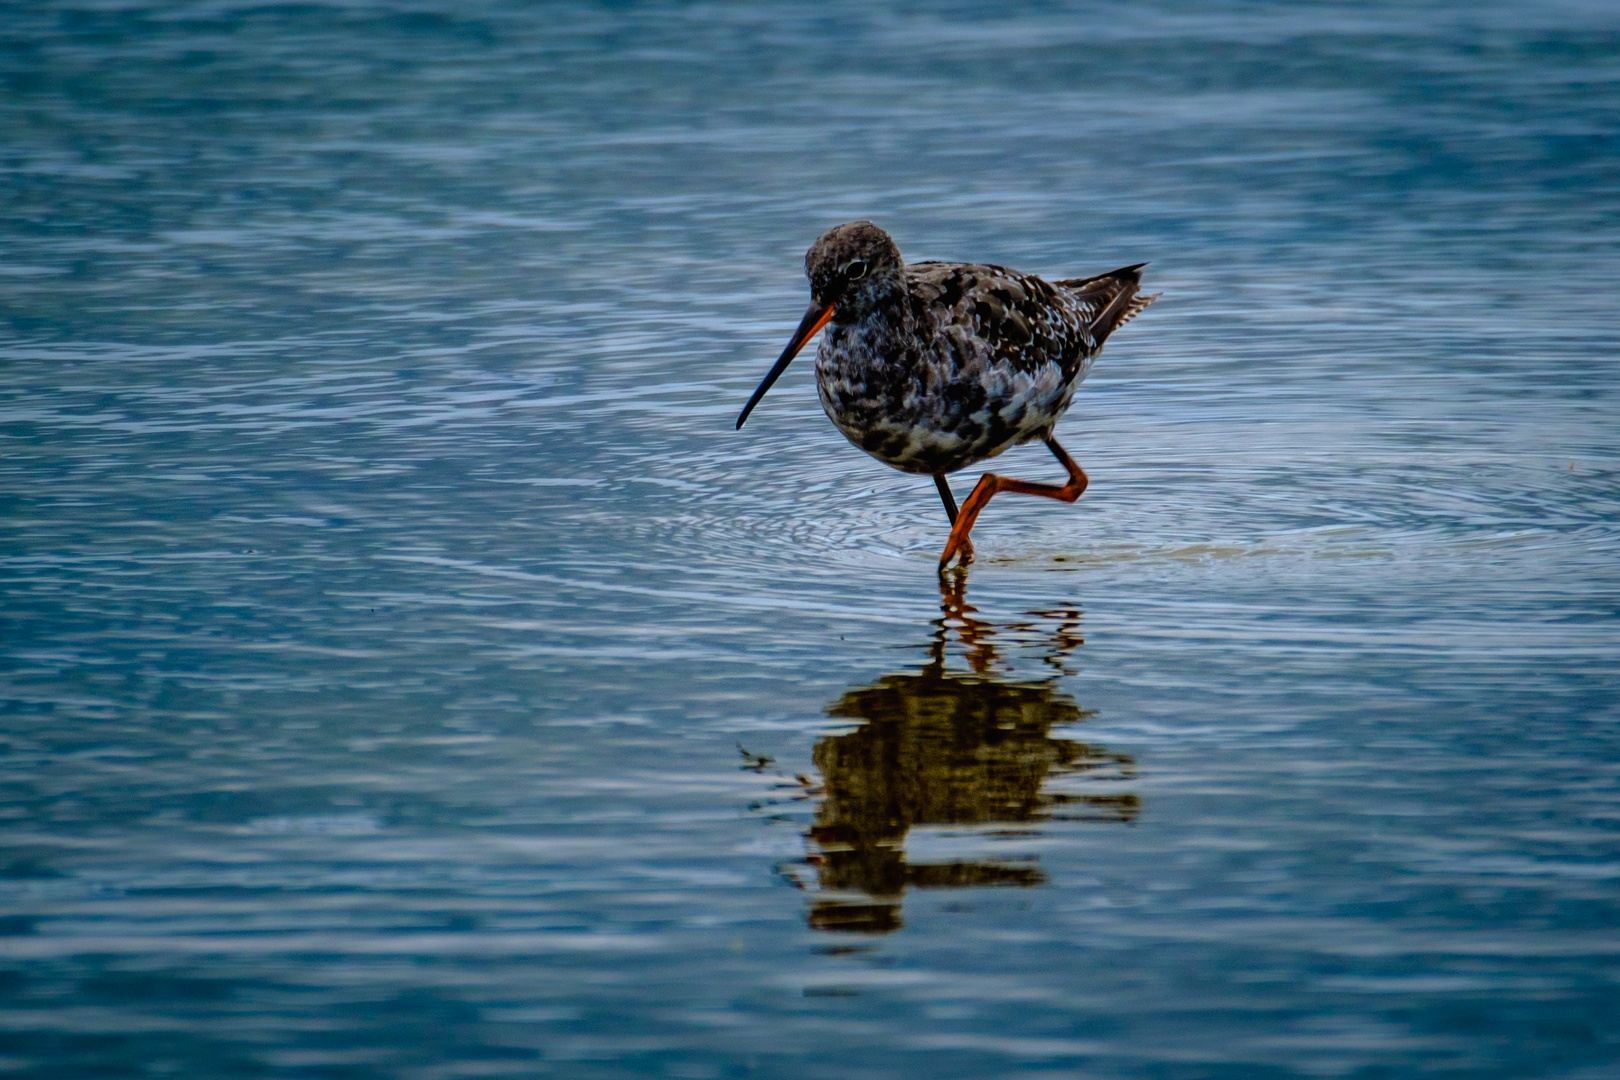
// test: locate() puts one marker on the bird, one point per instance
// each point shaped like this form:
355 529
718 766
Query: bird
932 367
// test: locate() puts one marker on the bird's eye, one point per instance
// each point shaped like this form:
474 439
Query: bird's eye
855 270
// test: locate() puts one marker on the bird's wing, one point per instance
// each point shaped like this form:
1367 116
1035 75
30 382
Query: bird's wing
1022 321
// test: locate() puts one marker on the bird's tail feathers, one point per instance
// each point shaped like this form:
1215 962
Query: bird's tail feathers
1115 295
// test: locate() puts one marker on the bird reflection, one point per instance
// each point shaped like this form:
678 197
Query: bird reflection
950 747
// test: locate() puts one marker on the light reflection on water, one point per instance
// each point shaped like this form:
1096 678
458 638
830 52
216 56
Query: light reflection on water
386 593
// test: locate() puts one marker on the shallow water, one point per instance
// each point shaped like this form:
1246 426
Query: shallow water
409 672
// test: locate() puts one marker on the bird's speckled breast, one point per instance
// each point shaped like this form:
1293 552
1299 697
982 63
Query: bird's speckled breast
956 370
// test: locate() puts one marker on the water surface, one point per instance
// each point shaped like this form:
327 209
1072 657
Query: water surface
409 672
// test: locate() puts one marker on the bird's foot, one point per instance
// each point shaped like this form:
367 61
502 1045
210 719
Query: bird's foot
960 548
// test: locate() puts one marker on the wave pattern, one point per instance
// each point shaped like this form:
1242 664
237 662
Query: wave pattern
387 595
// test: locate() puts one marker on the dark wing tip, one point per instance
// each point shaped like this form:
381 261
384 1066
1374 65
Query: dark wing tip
1133 272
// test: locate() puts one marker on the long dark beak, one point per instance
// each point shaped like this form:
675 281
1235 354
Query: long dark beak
814 320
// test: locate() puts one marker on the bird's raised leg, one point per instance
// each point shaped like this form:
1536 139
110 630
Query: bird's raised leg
949 500
990 485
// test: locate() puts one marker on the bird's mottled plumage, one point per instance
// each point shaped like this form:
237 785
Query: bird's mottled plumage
946 364
933 366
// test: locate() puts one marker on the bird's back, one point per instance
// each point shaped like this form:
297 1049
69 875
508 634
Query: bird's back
1025 321
1014 319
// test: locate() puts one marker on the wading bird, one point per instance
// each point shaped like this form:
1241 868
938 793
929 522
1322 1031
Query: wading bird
934 366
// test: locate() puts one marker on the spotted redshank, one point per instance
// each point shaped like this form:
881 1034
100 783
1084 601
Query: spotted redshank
931 367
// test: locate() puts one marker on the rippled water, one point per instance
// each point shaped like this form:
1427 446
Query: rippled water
408 672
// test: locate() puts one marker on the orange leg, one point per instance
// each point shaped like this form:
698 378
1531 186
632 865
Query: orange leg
991 485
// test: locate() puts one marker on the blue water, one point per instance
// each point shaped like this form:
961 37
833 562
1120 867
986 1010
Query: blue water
409 672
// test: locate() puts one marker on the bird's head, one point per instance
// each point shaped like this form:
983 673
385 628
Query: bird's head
848 261
848 267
